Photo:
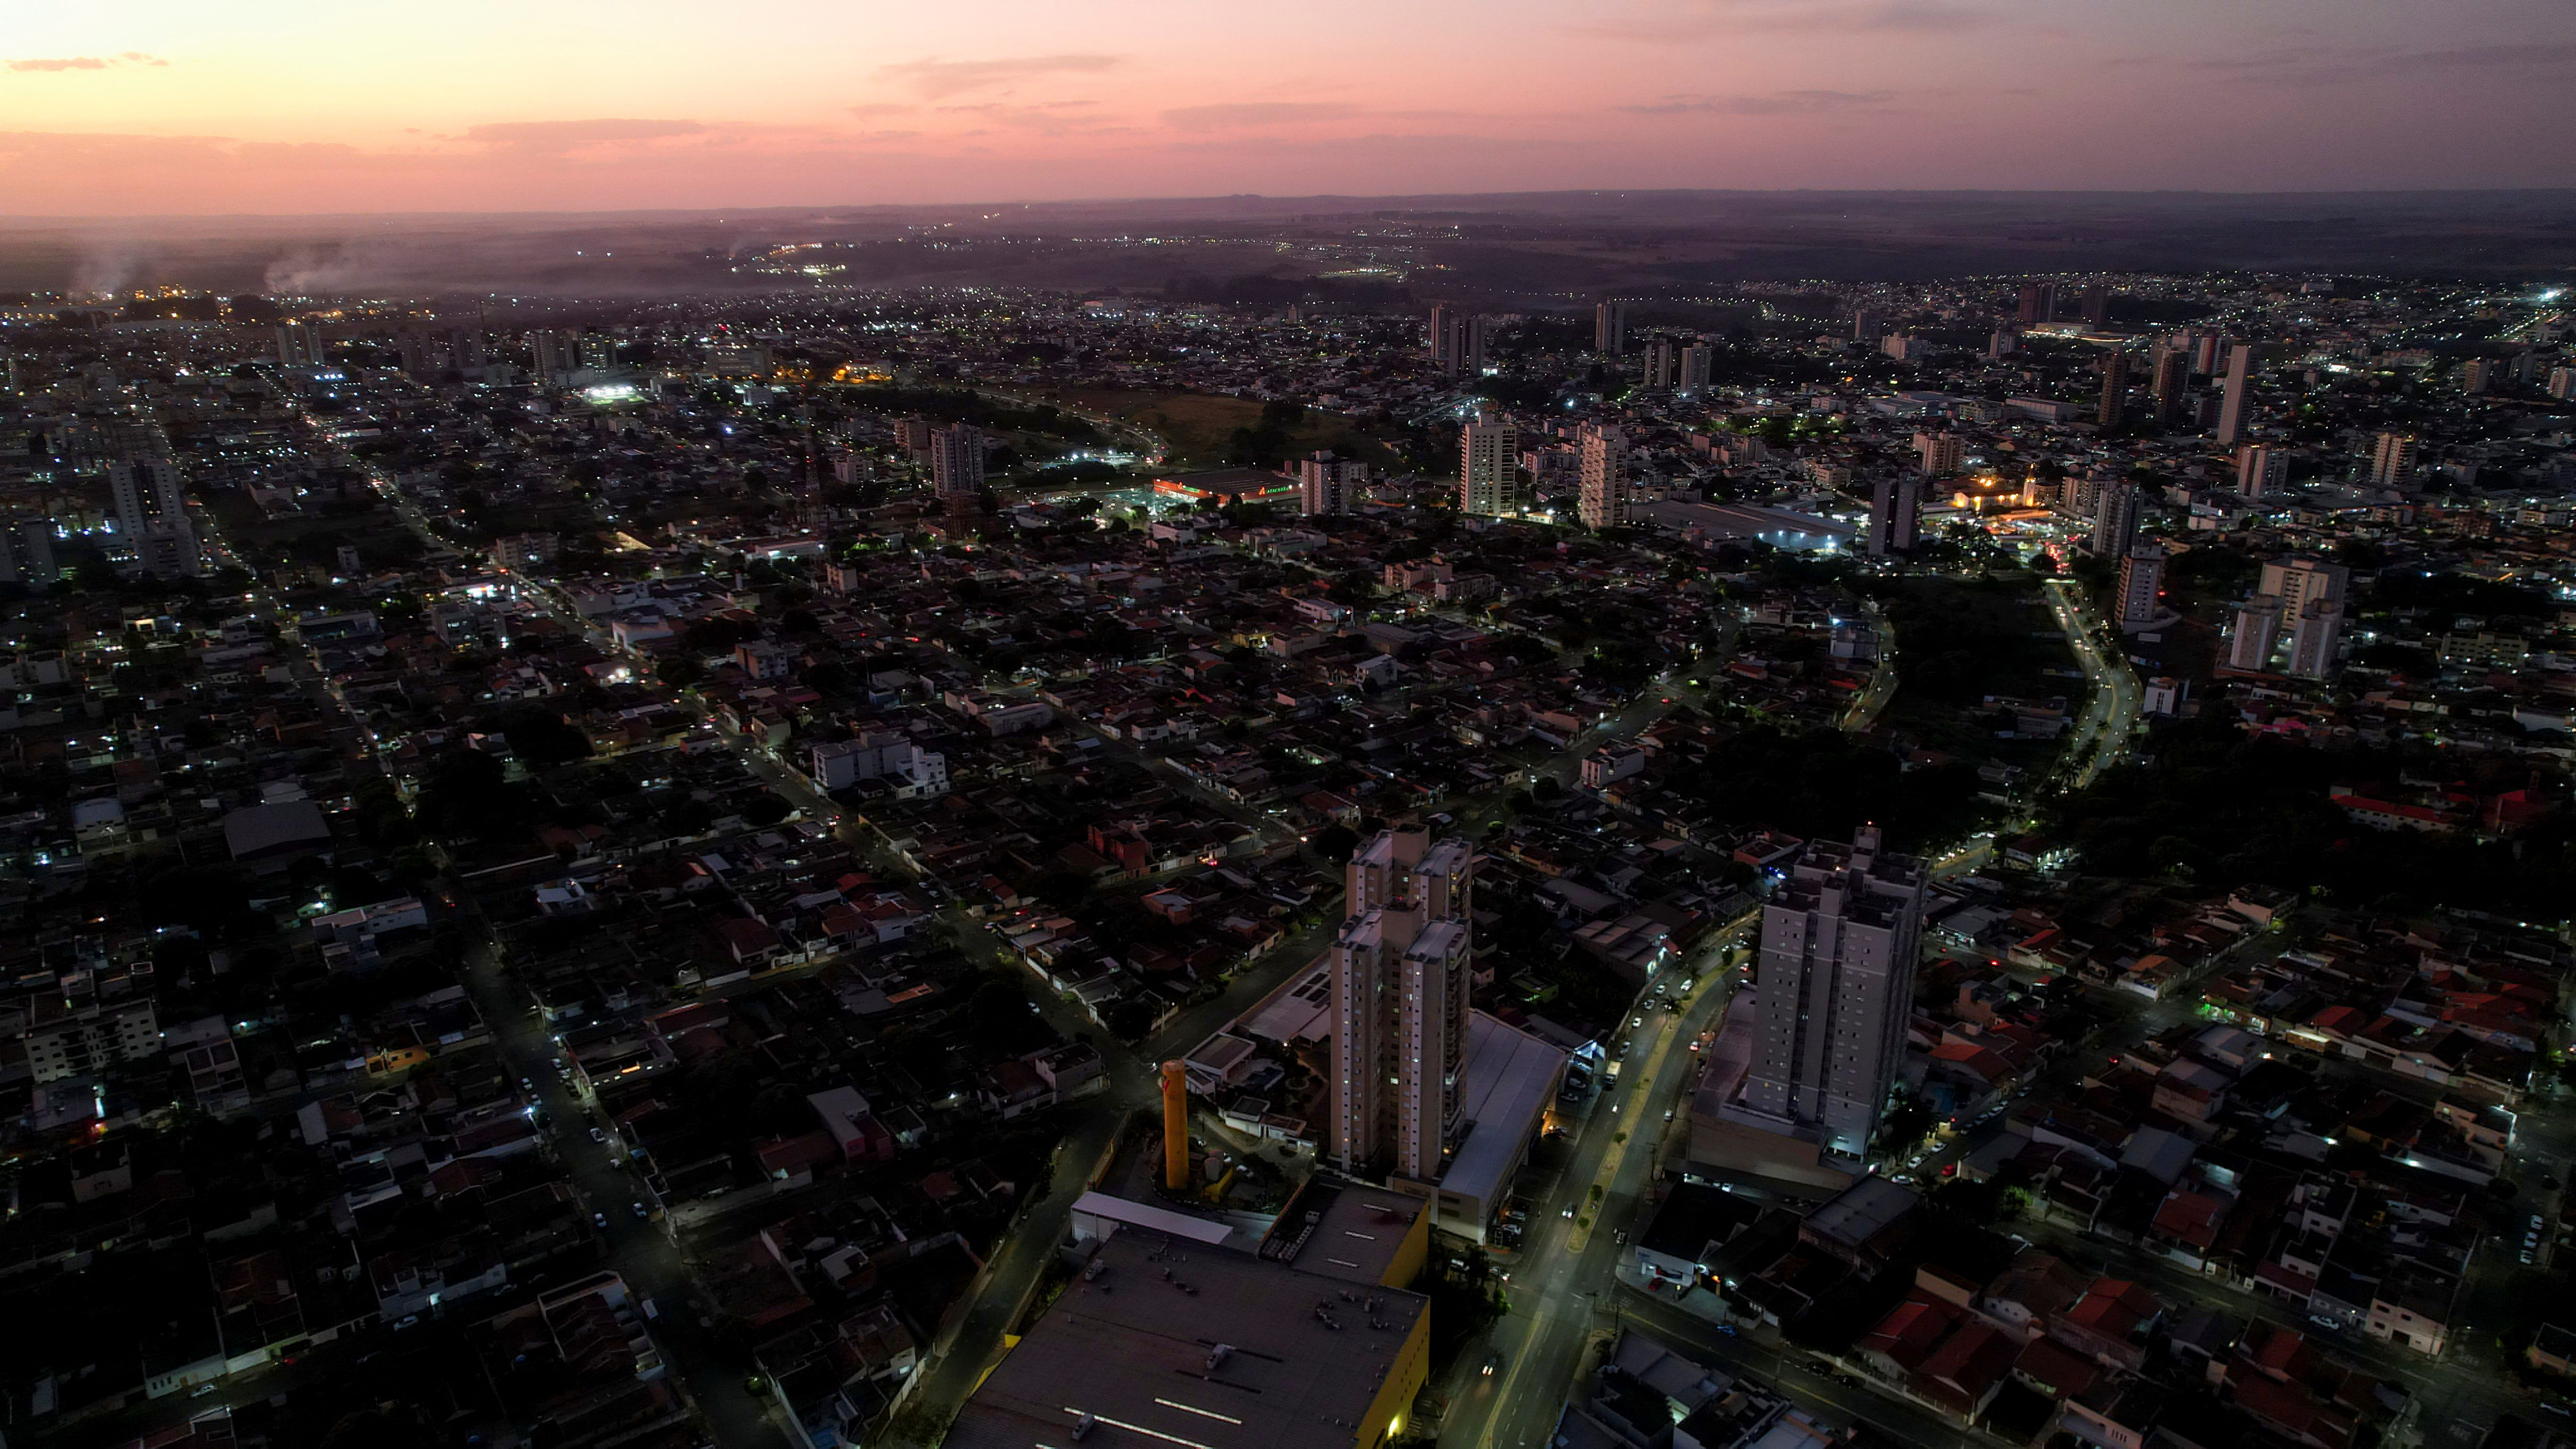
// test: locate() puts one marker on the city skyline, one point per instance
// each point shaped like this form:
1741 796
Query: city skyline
287 108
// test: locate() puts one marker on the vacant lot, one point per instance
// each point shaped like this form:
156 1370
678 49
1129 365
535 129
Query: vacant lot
1961 643
1201 426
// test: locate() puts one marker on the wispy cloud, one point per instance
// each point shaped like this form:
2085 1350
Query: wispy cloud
2334 65
87 62
1256 113
565 135
1047 118
1717 19
934 79
1777 103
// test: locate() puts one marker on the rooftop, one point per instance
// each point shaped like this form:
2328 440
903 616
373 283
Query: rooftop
1239 1358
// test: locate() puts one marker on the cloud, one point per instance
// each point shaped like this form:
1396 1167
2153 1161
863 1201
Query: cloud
1048 118
564 135
1717 19
86 62
880 108
934 79
1777 103
2335 65
1256 113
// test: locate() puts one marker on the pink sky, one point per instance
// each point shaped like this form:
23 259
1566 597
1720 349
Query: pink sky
286 106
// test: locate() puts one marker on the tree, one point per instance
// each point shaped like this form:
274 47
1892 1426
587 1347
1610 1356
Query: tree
1129 1020
1334 843
542 737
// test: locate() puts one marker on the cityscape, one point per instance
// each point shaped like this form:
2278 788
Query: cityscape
1372 818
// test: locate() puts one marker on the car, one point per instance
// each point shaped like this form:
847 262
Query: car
1569 1211
2526 1257
407 1321
528 1084
599 1220
1493 1361
598 1134
637 1208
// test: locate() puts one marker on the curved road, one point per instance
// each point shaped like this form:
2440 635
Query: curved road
2110 715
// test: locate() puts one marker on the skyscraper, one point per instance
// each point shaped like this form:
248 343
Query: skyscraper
2312 598
1604 460
1489 458
2392 461
1663 363
2115 388
1939 453
1400 968
1610 329
1457 340
2142 585
2231 409
2038 302
1895 508
957 467
1326 483
27 553
2115 520
2204 354
2097 305
2172 381
1835 994
2299 599
152 515
2260 470
2253 634
299 344
1865 326
551 354
1696 362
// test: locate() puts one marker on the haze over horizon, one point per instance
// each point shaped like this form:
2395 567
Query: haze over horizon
281 108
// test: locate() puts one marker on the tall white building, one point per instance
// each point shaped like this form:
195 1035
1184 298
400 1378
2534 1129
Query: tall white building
1610 328
2142 586
152 516
1835 994
957 461
1401 968
2312 599
2392 461
1895 512
2254 634
1697 362
1327 484
1489 471
2115 520
1939 453
2231 406
2260 470
2294 622
1457 340
1604 455
1663 363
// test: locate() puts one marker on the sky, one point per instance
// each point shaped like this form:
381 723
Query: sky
157 107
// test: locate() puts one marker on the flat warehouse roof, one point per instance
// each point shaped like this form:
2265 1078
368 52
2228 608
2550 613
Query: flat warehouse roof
1503 1087
1138 1353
